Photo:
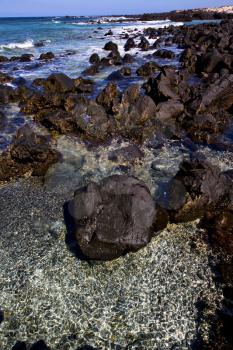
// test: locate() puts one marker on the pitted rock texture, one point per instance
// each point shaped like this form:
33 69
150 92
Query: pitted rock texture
113 218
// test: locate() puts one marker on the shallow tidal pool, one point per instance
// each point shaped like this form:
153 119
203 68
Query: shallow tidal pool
145 300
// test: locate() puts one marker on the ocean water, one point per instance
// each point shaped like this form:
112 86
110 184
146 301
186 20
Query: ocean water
71 40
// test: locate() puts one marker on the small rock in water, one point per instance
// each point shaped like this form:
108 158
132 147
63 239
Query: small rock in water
3 59
109 33
130 44
46 56
128 58
168 54
94 59
26 58
111 46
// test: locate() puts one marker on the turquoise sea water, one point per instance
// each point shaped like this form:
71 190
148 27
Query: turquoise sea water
71 40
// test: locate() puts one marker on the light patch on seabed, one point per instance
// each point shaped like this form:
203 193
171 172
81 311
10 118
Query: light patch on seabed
145 299
84 165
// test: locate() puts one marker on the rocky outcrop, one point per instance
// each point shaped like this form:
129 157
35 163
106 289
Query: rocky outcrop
198 188
30 153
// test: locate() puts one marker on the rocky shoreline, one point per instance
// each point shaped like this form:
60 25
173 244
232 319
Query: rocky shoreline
190 15
187 105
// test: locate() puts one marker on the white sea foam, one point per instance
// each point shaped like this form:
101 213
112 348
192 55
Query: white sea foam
80 23
27 44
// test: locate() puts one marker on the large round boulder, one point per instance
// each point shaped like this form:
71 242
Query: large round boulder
114 217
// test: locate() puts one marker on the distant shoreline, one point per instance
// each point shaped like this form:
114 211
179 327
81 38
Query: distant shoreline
222 12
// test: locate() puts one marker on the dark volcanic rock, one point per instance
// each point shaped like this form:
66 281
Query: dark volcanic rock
144 44
92 121
169 109
113 218
39 345
56 120
214 62
218 96
188 59
110 46
46 56
164 54
94 59
130 44
1 316
115 58
220 228
92 70
60 83
134 108
126 71
109 97
6 94
206 127
148 69
168 85
120 74
83 85
5 78
26 58
20 345
197 188
29 153
109 33
127 58
3 59
3 120
208 62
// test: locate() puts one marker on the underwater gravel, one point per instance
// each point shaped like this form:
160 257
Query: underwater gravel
146 300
